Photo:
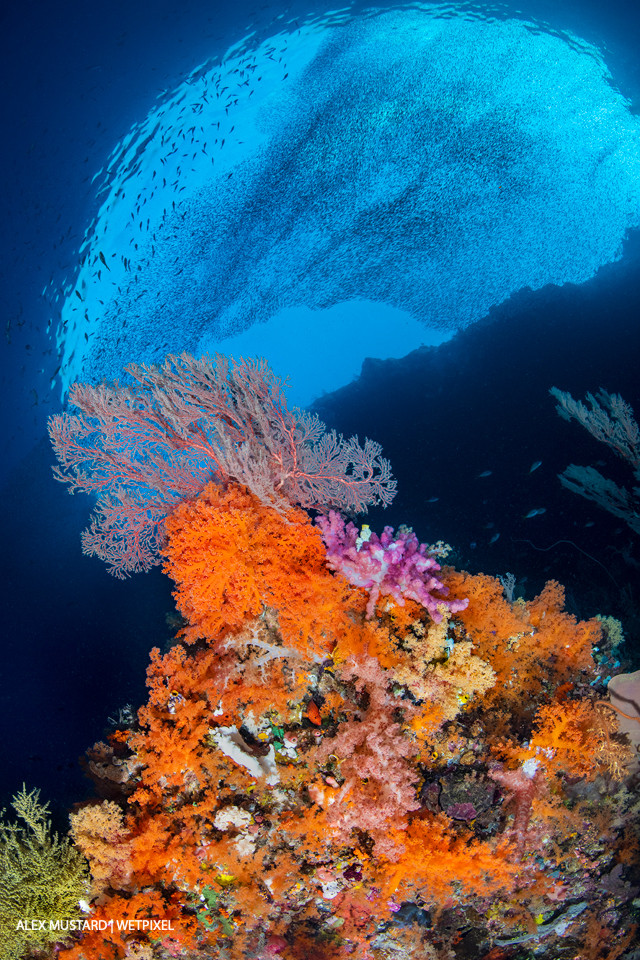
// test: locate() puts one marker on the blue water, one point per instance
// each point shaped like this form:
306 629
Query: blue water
436 220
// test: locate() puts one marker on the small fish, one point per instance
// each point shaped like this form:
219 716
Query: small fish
495 537
433 499
251 744
485 473
536 512
101 255
313 714
535 465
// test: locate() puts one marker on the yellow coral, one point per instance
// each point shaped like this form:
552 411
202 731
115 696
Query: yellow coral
42 880
100 834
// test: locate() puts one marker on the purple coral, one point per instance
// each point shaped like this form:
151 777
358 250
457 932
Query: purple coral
395 565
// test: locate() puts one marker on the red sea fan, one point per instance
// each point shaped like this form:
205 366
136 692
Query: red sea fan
145 448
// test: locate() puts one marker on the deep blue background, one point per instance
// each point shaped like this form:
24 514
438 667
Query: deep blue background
75 642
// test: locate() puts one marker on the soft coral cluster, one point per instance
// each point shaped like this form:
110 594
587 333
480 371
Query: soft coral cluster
306 771
530 646
395 565
346 739
230 557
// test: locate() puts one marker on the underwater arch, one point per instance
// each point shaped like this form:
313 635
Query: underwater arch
353 185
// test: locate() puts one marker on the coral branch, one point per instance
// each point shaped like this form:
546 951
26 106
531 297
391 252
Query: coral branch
145 448
609 419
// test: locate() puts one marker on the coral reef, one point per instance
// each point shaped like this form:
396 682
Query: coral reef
349 751
311 777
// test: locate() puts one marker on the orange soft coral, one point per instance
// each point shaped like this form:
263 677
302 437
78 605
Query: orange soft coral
528 645
562 642
230 556
145 917
436 864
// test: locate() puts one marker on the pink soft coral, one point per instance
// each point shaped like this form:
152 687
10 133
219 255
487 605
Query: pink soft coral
522 786
397 565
